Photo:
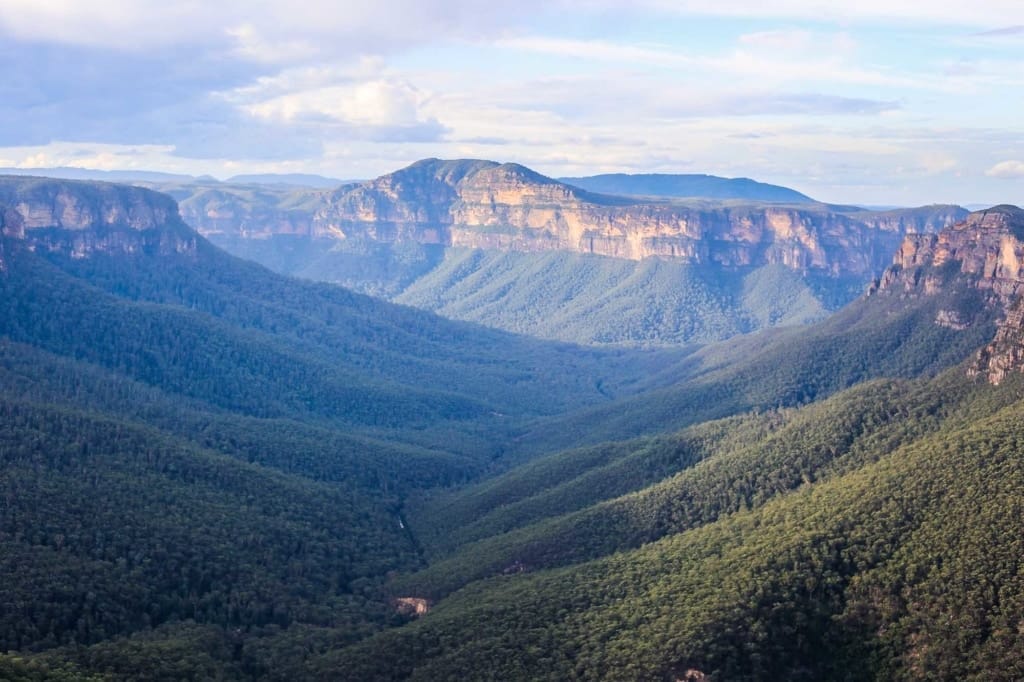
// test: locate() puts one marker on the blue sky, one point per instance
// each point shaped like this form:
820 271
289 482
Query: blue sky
897 102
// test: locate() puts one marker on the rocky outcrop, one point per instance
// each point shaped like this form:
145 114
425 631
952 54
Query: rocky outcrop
412 606
1006 351
483 204
986 248
83 218
984 251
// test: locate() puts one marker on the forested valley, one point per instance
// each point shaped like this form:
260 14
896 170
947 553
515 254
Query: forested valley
212 471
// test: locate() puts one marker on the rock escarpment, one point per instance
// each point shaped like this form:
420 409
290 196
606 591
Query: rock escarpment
79 219
986 252
483 204
508 207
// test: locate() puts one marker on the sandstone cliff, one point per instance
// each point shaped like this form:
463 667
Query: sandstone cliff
985 251
81 218
483 204
487 205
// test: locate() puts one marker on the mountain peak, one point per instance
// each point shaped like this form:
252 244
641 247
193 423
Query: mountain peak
449 171
1004 217
521 172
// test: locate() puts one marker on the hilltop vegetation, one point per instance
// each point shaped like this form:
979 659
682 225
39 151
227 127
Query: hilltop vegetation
687 185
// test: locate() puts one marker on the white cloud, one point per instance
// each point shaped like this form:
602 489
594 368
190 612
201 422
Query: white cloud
934 163
354 89
599 50
808 59
985 13
800 40
1006 169
250 44
1005 32
264 30
379 102
984 74
83 155
366 99
278 30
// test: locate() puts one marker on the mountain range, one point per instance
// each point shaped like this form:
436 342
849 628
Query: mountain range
209 470
144 177
505 246
489 205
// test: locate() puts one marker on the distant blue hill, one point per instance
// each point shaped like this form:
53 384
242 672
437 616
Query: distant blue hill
687 186
145 176
297 179
73 173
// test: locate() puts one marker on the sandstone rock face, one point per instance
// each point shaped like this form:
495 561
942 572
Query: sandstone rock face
987 252
987 247
482 204
487 205
412 606
83 218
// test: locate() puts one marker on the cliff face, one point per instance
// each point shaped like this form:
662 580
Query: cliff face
482 204
413 204
487 205
82 218
986 248
985 251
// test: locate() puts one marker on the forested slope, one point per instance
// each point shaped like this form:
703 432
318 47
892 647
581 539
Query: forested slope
203 464
894 555
561 295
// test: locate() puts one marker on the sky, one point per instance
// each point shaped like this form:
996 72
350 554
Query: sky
883 102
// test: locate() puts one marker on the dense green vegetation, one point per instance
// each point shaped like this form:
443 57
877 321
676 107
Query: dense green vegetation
592 299
208 471
16 669
534 518
124 528
203 465
875 337
378 269
561 295
237 337
903 563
